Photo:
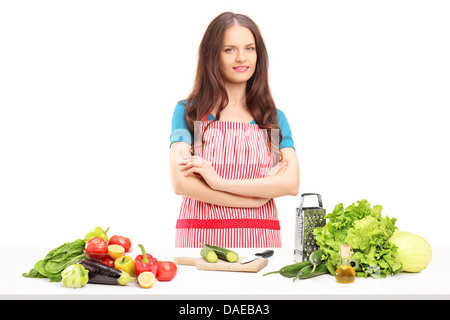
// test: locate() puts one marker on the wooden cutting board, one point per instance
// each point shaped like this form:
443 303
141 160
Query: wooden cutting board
221 265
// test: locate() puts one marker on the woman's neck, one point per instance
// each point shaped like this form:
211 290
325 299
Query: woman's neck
236 94
236 109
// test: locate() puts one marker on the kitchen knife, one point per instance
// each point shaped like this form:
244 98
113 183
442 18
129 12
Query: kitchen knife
264 254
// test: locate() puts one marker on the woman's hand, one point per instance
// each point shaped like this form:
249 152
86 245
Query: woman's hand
196 164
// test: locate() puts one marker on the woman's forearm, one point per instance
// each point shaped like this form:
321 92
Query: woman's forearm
285 182
281 184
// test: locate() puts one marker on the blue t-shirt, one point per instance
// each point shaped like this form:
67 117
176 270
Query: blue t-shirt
180 131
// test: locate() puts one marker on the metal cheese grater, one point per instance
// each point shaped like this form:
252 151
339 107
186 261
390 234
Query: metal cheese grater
306 220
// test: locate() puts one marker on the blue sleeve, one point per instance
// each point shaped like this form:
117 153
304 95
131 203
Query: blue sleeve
180 131
287 140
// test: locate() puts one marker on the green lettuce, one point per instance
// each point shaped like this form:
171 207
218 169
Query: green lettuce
362 227
75 276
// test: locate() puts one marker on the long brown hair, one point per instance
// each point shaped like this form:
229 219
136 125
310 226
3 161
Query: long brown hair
209 85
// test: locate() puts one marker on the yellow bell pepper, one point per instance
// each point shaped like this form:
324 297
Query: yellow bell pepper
125 263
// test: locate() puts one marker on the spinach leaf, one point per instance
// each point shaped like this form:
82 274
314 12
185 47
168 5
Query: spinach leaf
56 260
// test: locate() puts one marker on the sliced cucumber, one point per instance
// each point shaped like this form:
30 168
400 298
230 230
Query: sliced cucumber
223 253
209 254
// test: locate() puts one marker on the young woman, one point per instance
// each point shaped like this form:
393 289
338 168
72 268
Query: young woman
231 150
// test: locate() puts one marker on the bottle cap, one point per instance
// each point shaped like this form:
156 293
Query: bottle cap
345 251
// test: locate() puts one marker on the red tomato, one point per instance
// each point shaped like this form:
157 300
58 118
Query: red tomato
96 248
121 241
108 261
167 270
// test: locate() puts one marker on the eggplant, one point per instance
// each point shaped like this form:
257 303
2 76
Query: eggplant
100 273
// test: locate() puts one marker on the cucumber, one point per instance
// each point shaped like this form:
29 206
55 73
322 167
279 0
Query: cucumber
223 253
307 272
291 270
209 254
316 258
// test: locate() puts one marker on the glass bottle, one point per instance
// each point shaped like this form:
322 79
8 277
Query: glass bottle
345 273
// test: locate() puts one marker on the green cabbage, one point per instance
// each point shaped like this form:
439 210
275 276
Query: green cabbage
75 276
367 232
413 251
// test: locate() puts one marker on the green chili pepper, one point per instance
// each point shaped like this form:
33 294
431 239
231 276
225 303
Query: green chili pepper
97 232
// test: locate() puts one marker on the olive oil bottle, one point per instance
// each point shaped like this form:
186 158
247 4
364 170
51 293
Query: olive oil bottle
346 273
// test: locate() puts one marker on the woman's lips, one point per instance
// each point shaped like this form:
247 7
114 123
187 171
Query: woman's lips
241 68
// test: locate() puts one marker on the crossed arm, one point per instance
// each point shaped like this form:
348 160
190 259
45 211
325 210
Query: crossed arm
195 177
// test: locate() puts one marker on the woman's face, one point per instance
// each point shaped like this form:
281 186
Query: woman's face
238 56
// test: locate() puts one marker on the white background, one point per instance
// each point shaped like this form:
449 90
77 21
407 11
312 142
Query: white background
87 91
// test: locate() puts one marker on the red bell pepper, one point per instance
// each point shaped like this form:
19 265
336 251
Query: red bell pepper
145 262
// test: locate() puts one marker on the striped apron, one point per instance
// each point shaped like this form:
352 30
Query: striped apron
236 150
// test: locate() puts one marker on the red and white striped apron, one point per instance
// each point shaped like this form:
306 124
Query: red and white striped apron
236 151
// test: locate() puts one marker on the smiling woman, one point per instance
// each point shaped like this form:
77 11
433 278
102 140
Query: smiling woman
232 151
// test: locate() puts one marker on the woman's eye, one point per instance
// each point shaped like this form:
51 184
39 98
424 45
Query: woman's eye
230 50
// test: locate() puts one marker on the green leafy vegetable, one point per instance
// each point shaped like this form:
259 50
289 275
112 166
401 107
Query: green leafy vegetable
75 276
367 232
57 260
413 251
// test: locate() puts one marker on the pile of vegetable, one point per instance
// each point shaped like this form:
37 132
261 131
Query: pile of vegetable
367 232
379 247
101 260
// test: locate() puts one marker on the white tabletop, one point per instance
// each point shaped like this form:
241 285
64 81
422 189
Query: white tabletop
193 284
